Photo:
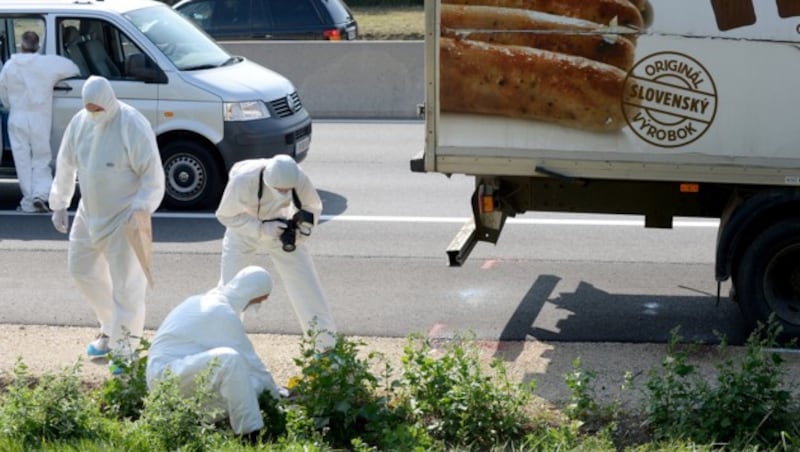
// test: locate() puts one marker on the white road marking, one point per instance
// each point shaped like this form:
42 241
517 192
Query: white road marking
683 223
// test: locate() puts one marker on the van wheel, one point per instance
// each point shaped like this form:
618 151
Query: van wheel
193 176
768 278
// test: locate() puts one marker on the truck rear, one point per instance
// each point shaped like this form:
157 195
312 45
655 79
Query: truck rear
659 108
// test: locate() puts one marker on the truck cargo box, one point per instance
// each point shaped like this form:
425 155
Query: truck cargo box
707 91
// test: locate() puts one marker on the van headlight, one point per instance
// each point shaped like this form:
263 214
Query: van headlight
245 111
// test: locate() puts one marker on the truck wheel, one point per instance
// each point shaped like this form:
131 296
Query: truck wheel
193 176
768 278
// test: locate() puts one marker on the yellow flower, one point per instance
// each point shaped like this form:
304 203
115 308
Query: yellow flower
293 382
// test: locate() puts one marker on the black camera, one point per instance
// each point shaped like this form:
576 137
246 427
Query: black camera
298 224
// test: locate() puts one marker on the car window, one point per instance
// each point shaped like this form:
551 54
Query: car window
295 13
230 17
199 11
262 21
339 12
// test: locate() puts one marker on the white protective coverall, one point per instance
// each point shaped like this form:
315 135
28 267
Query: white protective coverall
26 89
116 159
245 235
205 328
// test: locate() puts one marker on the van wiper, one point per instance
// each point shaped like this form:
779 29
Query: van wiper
231 60
227 62
200 67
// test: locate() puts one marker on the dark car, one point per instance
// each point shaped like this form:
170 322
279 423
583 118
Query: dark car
272 19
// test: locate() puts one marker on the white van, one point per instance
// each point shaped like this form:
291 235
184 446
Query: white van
208 108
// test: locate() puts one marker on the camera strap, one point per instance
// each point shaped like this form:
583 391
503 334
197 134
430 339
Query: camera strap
295 198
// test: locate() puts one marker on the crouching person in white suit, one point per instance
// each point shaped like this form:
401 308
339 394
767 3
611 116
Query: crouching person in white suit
207 329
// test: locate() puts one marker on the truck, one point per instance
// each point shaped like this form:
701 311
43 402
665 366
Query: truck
657 108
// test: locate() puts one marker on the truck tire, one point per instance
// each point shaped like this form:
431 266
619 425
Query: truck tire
193 176
768 278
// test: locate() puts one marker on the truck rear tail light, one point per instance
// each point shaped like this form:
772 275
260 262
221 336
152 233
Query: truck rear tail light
332 35
690 188
486 198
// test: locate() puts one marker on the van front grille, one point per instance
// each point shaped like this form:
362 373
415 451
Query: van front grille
286 106
293 137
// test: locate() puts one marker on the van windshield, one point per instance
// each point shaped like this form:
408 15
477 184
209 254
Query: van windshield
179 39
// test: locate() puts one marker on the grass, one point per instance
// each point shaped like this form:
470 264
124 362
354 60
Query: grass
395 23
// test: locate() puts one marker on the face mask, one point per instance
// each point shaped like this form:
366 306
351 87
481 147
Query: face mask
98 116
282 196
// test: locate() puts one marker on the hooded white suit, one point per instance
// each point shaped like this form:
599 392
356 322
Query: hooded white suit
207 327
26 88
116 159
242 214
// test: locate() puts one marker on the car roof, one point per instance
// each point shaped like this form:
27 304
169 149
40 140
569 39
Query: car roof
53 6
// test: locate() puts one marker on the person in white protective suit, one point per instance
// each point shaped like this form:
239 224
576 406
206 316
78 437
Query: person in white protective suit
206 331
112 150
26 89
260 190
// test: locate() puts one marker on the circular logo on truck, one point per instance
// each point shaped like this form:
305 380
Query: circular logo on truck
670 99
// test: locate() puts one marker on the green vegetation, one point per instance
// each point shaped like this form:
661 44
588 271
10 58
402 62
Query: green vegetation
389 19
390 23
747 407
444 397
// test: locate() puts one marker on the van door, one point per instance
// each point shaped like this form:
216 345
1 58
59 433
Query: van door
11 29
98 47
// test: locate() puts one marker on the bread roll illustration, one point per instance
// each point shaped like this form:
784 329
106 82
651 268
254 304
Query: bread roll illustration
506 26
558 61
524 82
602 12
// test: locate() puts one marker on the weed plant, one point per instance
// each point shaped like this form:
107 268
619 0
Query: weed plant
52 408
340 394
123 397
457 400
171 419
747 406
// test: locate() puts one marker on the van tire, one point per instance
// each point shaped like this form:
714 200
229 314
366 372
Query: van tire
768 278
193 176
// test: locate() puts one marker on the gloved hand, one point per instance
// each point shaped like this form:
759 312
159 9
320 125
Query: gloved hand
60 220
272 229
303 231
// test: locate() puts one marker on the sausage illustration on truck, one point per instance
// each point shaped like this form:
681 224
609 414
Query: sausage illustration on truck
659 108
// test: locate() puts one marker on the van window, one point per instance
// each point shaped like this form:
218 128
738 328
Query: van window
11 29
100 48
179 39
95 46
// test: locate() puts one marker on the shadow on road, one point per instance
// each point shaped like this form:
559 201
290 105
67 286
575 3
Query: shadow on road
332 203
592 315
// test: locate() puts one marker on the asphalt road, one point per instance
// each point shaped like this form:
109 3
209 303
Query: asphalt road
380 254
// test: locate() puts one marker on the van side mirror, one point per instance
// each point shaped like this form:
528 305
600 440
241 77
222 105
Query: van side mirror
141 67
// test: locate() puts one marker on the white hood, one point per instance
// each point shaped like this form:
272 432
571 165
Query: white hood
251 282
